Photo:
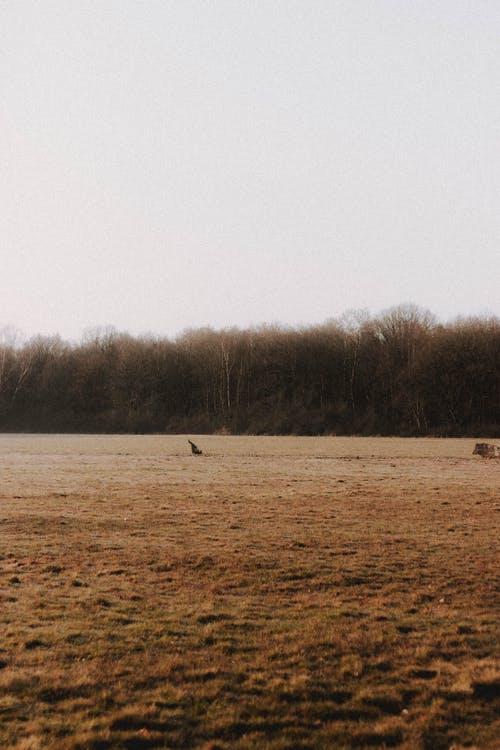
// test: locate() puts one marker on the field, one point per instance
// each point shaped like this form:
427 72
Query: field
273 593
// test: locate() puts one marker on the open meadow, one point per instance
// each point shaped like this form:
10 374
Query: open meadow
272 593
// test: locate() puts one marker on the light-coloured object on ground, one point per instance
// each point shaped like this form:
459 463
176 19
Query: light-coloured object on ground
487 450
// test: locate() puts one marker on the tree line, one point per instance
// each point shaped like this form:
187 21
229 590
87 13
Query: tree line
399 373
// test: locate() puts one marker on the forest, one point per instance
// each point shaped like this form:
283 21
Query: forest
398 373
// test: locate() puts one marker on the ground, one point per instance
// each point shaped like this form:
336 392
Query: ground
273 593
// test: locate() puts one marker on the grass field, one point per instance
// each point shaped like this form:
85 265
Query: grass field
273 593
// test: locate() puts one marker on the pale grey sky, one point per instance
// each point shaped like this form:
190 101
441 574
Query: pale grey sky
180 163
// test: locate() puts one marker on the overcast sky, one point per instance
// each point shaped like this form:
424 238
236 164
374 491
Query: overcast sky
167 164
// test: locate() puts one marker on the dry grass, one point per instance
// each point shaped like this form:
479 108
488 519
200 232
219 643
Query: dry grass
274 593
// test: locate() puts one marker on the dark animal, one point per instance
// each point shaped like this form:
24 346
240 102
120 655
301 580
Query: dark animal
487 450
194 449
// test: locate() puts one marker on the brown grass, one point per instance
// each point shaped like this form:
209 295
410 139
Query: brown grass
273 593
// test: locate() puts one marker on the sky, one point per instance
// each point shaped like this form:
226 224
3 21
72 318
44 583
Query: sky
174 164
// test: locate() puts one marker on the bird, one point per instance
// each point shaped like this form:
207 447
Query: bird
194 449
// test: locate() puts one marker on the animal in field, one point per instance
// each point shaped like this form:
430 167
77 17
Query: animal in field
194 449
487 450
